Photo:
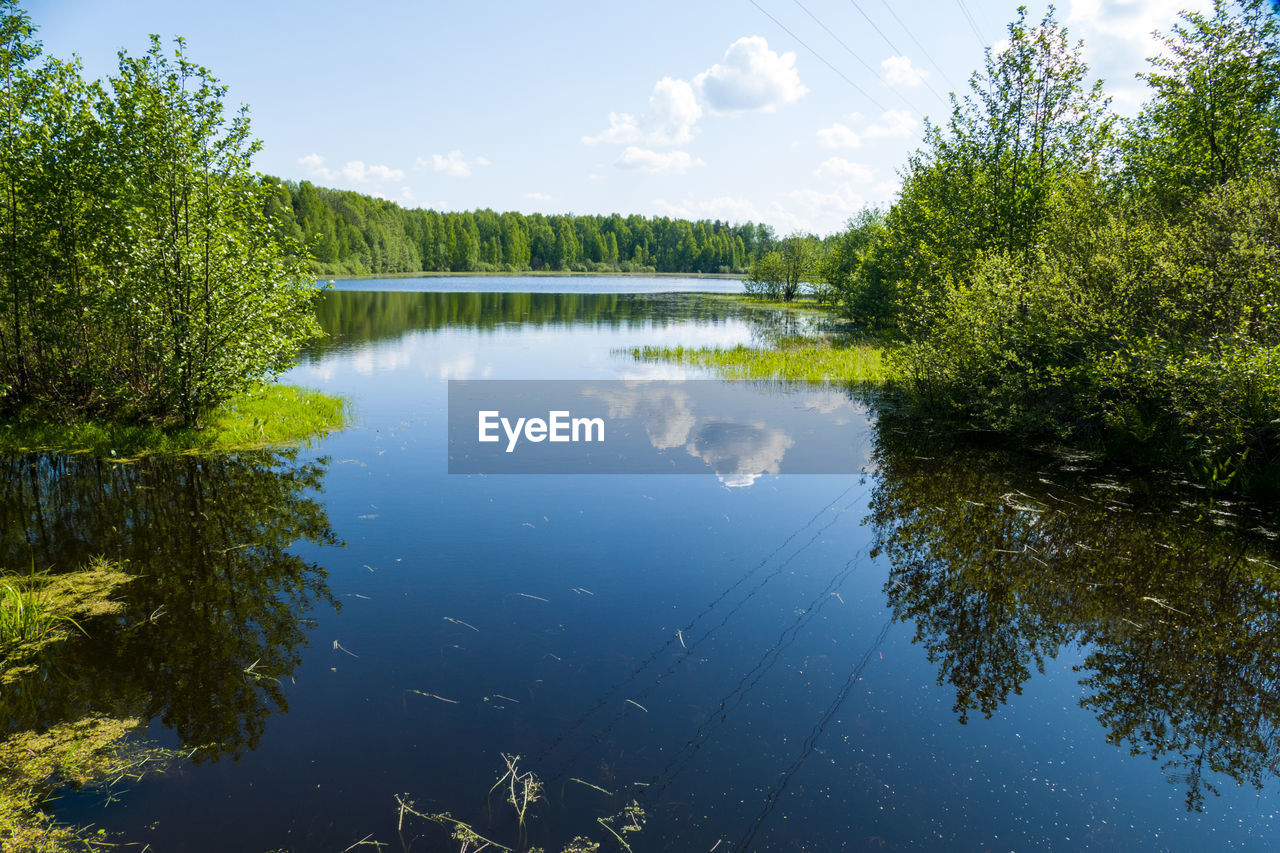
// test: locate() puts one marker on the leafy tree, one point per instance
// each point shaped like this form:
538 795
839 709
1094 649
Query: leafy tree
779 273
983 182
1214 114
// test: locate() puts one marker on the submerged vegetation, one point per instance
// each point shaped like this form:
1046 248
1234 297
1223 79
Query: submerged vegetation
37 612
522 790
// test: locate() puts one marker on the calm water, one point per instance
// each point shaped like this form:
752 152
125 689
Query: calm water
947 651
544 284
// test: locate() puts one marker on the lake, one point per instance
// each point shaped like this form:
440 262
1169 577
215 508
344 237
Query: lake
945 646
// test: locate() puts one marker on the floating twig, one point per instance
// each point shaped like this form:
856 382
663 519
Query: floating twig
460 622
680 637
434 696
527 595
337 647
589 785
638 705
508 698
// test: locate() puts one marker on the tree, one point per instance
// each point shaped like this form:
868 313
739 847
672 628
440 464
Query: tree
779 273
1215 115
984 182
144 277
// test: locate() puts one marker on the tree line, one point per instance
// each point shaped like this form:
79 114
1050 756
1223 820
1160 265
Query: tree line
350 233
1054 271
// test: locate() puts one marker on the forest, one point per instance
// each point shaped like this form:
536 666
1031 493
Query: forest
348 233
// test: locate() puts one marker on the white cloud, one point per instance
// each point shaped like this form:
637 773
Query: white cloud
355 171
898 71
314 164
454 165
750 77
839 136
893 124
673 111
657 162
538 196
837 168
622 130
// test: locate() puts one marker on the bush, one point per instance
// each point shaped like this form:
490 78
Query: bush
142 278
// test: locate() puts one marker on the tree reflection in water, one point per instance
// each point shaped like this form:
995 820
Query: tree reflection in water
217 612
1174 604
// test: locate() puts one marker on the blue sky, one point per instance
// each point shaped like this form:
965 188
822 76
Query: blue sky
791 113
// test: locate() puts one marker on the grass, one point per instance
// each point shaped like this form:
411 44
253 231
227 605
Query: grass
798 360
266 416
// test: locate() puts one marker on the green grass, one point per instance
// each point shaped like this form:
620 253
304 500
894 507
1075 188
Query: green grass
267 416
805 360
24 614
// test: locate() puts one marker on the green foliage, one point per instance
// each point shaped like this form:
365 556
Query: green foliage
142 276
983 182
779 272
855 280
1045 289
1213 115
807 360
261 416
355 234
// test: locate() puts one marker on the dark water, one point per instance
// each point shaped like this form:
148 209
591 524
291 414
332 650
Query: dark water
953 650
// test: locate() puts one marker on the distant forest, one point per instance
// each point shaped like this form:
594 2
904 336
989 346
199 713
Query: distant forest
351 233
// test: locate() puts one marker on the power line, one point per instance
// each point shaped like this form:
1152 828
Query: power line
903 97
973 25
894 47
864 93
912 36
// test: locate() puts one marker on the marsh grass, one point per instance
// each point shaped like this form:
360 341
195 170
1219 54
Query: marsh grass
806 359
266 416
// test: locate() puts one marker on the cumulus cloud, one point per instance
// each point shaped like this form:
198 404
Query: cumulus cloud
657 162
750 77
837 169
893 124
839 136
454 165
673 111
898 71
355 171
538 196
622 130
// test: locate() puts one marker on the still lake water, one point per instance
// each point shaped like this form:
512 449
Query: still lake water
947 651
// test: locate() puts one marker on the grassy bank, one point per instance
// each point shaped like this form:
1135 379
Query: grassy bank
267 416
801 360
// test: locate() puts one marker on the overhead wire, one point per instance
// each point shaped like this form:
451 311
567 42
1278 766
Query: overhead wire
894 48
973 25
913 38
822 58
841 42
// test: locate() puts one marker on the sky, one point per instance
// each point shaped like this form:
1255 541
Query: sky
795 113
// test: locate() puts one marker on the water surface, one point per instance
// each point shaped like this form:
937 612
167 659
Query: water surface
954 649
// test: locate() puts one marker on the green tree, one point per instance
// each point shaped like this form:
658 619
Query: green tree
779 273
1214 115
